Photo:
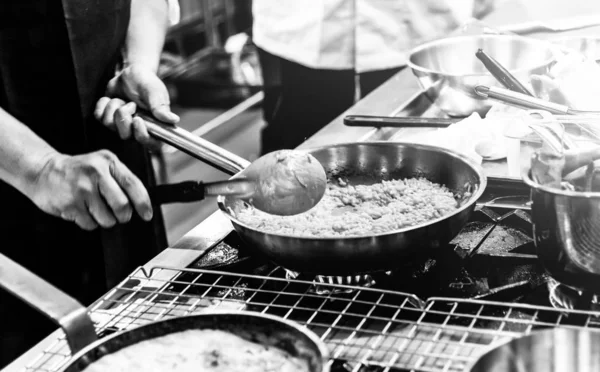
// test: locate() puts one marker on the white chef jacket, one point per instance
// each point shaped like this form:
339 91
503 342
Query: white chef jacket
364 35
174 12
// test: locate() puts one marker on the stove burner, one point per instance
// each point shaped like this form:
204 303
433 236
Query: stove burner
321 281
565 297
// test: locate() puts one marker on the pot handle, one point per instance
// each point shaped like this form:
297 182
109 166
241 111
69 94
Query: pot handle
195 146
62 309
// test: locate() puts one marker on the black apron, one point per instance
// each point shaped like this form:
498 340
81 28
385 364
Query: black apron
55 62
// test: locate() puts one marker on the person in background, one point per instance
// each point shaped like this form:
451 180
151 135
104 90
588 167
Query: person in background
75 209
318 57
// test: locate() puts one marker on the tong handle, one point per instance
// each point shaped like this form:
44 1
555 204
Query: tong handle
521 100
193 145
501 74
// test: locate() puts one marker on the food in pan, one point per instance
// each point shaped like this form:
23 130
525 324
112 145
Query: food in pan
361 210
199 350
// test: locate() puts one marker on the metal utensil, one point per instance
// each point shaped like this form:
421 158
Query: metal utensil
72 317
398 121
528 102
284 182
447 71
553 350
501 74
372 162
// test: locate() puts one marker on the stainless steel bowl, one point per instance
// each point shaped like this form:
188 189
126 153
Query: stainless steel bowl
448 70
551 350
566 226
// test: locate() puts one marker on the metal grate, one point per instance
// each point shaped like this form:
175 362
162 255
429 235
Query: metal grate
363 327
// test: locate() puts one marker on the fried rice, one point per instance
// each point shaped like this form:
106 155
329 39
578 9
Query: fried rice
361 210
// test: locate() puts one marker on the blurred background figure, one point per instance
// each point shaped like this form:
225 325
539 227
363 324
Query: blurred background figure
319 57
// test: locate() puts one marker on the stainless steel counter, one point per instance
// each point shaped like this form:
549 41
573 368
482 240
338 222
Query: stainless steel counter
386 100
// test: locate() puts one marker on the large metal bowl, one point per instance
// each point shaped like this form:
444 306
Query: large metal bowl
448 70
566 228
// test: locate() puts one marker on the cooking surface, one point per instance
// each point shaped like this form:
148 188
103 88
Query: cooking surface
435 313
371 327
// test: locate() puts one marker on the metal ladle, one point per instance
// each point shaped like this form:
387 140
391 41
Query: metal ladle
285 182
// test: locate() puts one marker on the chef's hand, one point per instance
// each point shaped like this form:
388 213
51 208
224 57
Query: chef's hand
92 190
135 86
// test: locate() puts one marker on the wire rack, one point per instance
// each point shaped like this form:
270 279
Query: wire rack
366 329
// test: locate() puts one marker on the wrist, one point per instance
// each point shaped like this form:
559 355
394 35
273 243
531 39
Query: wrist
33 170
134 63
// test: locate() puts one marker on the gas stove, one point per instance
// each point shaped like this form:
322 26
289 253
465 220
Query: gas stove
433 313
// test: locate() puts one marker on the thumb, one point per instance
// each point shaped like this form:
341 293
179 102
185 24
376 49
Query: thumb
112 89
156 98
164 114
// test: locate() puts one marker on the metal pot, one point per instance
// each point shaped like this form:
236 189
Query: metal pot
551 350
72 317
566 231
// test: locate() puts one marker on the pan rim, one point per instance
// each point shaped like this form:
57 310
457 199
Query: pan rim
321 346
472 200
526 40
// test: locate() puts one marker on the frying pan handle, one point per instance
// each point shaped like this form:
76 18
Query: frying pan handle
62 309
194 146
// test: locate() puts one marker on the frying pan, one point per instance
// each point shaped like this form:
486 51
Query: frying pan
86 348
361 163
364 163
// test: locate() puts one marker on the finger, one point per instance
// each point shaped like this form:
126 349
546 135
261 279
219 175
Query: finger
109 111
123 118
115 198
134 189
82 218
140 133
100 106
100 211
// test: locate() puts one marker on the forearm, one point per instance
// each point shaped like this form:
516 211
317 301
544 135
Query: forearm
146 33
22 153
